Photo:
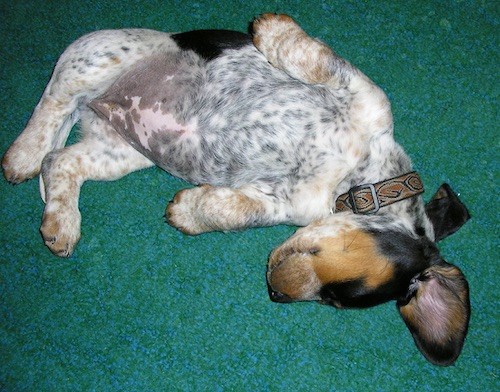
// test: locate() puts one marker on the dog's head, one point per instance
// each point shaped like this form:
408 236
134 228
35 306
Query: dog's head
349 260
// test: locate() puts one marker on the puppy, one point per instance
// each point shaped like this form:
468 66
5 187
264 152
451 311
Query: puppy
274 128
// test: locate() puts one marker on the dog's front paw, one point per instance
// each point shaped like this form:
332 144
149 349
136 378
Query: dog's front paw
184 212
61 231
287 47
270 30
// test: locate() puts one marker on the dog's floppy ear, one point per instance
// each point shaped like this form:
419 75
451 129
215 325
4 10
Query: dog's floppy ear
446 212
436 310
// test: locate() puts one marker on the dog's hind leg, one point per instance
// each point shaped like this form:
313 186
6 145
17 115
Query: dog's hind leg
84 71
47 129
74 80
101 155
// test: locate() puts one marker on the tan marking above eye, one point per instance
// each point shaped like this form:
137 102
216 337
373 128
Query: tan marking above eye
352 255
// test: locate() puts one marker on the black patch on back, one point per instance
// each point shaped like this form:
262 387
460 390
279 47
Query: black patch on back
210 44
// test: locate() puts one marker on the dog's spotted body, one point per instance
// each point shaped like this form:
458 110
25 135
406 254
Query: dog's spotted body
274 127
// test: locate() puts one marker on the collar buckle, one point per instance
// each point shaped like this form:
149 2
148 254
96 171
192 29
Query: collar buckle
370 206
369 198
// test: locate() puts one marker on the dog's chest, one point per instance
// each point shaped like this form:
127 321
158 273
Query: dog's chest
226 121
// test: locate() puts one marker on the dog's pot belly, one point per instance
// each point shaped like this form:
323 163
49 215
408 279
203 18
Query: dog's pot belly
229 121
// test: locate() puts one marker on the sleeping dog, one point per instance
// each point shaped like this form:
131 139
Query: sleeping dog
274 128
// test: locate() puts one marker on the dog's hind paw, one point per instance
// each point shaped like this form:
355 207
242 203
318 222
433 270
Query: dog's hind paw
61 232
19 165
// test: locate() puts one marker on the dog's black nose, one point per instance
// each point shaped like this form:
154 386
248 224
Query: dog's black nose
276 296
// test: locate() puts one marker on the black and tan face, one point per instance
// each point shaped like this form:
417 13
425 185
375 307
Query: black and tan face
343 265
342 262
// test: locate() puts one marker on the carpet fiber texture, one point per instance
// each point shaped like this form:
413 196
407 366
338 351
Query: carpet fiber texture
142 307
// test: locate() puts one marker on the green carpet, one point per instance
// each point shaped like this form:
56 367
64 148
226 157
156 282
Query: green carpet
141 307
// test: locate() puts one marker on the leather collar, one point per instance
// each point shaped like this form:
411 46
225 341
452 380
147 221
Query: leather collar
369 198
